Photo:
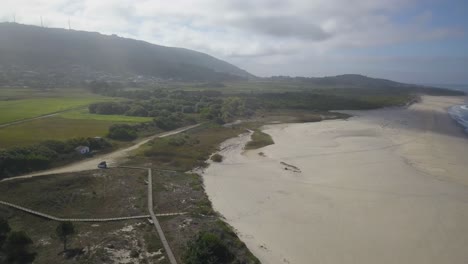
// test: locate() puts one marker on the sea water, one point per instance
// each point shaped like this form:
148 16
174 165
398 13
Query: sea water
460 114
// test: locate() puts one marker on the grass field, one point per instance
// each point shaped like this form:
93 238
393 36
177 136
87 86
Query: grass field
8 94
28 108
57 128
84 114
22 103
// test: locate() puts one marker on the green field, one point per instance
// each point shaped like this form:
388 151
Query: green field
57 128
8 94
28 108
84 114
22 103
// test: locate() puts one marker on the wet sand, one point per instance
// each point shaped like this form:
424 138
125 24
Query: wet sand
386 186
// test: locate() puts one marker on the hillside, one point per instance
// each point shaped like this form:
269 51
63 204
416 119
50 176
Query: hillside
363 82
71 56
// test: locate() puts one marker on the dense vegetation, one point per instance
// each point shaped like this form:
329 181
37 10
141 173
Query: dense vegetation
323 100
361 82
173 108
41 156
168 106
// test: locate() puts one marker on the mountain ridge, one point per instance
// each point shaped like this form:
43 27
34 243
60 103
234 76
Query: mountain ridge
84 53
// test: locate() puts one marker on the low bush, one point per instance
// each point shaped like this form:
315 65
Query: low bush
259 140
122 132
207 248
217 158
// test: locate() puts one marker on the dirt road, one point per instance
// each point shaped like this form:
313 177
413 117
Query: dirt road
111 158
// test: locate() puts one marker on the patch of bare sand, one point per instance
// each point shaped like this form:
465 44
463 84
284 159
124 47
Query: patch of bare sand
386 186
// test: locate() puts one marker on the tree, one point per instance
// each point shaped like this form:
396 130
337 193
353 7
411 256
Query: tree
17 248
65 229
232 107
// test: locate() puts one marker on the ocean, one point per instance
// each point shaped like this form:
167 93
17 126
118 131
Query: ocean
458 112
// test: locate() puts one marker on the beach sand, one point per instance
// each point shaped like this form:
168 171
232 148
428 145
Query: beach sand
386 186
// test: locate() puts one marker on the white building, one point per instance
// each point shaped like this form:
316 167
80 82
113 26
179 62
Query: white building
82 149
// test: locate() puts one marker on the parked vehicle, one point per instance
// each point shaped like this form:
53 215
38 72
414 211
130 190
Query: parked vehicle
102 165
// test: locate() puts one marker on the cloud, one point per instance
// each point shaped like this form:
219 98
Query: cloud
283 26
260 35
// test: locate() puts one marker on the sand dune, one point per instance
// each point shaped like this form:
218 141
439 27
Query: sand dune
386 186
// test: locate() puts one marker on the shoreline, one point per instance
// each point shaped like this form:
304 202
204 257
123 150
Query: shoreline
459 113
370 189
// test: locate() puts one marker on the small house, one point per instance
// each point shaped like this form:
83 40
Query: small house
82 149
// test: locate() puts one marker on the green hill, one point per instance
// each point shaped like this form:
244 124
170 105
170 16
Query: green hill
73 56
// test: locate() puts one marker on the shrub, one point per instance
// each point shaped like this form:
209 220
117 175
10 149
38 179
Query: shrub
217 158
17 248
167 122
259 140
4 230
176 141
207 248
122 132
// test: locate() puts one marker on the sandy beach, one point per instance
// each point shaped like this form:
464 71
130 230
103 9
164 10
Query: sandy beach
386 186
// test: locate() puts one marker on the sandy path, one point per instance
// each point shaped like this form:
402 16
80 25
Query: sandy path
387 186
111 158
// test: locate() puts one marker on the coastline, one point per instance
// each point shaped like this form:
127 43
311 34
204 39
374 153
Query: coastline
385 186
460 114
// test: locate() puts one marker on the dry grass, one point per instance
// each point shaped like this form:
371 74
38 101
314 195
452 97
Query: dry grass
100 193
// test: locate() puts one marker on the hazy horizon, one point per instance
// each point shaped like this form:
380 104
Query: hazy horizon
408 41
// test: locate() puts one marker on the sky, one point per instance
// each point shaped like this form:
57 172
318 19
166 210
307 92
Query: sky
416 41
